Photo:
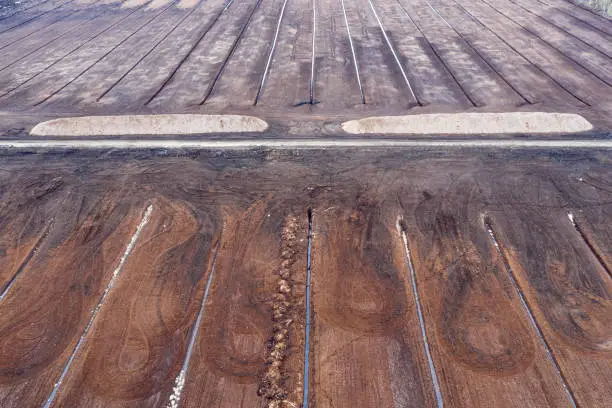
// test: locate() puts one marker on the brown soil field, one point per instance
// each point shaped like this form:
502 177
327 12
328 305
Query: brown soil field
184 278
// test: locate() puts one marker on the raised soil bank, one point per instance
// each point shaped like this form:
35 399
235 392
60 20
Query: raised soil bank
182 124
471 123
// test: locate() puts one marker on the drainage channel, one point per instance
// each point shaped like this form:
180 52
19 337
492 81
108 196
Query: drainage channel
26 261
73 50
397 60
314 37
35 17
350 38
186 56
42 29
518 52
265 74
221 68
113 48
23 10
575 16
49 41
307 329
432 369
179 382
145 55
548 43
558 27
524 302
586 240
481 56
109 286
434 50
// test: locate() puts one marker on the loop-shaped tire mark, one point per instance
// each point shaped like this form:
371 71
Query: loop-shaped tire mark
109 286
529 312
368 298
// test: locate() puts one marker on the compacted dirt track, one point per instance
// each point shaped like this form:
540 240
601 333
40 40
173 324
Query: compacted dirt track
417 278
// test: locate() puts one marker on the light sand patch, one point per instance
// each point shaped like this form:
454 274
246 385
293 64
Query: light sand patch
149 125
109 1
470 123
156 4
133 3
188 3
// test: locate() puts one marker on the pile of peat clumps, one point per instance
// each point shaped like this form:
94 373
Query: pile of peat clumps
273 382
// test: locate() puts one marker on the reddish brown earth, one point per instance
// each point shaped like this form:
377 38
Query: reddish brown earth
240 220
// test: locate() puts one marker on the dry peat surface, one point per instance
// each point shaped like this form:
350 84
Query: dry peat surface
305 204
304 66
